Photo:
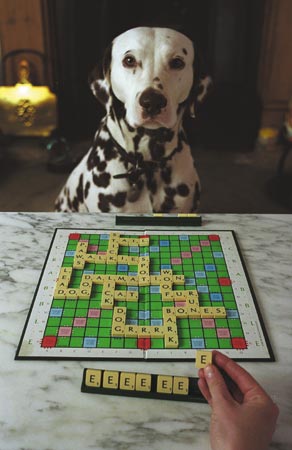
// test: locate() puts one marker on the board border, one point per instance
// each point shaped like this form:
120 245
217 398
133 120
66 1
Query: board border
84 358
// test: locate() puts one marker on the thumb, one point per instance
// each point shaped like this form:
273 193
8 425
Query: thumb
216 384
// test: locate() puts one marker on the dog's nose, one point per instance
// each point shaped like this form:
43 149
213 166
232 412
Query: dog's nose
152 101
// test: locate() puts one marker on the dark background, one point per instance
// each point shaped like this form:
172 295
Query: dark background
227 33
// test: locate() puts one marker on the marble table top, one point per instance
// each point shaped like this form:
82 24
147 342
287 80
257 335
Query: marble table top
41 405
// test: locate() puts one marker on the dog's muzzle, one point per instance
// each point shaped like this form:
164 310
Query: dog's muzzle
152 102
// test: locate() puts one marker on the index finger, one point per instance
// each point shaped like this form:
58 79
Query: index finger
238 374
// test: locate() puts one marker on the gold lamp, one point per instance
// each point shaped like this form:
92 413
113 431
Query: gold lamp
25 109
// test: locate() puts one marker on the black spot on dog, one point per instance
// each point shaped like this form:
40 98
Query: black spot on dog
93 159
184 50
166 175
103 203
136 141
141 131
118 107
170 192
109 151
118 200
168 204
156 79
196 198
157 150
86 190
183 190
102 180
79 198
152 184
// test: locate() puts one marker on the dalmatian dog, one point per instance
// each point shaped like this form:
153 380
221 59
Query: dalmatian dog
140 160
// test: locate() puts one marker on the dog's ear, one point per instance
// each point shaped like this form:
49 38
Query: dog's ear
99 79
202 85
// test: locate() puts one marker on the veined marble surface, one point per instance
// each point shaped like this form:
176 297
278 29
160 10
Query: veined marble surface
41 406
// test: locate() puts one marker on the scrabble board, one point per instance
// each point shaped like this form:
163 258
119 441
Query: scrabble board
153 295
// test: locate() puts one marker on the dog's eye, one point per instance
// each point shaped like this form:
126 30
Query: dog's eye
177 63
129 61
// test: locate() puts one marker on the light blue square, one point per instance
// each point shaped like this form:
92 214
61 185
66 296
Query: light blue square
89 342
132 274
190 281
203 289
232 314
122 267
134 249
218 255
56 312
200 274
70 253
153 248
198 343
216 297
154 289
132 322
164 243
104 237
165 266
132 288
210 268
88 272
156 322
183 237
144 315
154 273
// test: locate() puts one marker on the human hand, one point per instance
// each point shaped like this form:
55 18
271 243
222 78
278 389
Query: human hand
242 420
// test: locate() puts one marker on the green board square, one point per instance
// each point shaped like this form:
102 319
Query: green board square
195 323
66 322
196 332
236 332
106 314
92 322
185 343
184 333
225 343
211 343
234 323
81 312
103 342
63 341
117 342
91 332
130 343
104 332
78 331
210 332
51 331
68 312
76 342
58 303
157 343
53 321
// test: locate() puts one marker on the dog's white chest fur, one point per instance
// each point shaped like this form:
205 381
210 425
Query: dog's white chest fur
140 160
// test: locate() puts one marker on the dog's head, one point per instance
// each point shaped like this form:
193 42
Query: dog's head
149 75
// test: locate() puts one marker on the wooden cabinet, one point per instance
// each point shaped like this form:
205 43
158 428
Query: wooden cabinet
275 68
23 25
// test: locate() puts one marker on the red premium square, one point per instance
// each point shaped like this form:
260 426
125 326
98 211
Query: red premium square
49 342
74 236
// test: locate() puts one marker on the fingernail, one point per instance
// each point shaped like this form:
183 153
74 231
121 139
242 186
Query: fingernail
209 371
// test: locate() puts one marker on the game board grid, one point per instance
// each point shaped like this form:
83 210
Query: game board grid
214 333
